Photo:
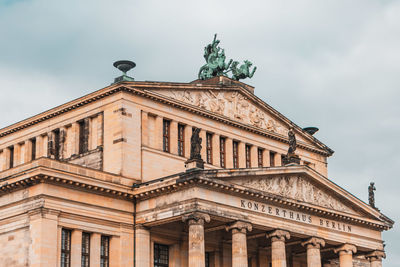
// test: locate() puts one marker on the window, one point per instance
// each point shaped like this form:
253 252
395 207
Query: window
282 160
56 143
83 136
85 250
235 154
272 158
166 132
181 140
260 152
105 251
209 147
11 149
161 255
33 151
65 248
222 151
248 156
207 259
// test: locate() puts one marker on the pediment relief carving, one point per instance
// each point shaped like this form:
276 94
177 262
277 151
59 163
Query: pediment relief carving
231 104
298 188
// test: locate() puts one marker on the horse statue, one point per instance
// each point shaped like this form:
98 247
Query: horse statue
243 71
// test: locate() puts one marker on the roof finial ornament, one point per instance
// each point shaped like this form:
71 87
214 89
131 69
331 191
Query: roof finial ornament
371 194
216 66
124 66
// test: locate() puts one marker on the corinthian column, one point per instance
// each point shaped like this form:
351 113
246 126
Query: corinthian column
196 250
278 249
375 258
313 246
346 252
239 243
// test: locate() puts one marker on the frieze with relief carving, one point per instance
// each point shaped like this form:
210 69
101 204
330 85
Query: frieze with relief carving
230 104
298 188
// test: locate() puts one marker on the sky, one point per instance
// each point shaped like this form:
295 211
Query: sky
330 64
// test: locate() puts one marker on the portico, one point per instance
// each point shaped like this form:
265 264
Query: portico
217 223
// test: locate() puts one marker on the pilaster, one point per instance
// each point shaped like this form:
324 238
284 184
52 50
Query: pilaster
76 247
173 142
242 154
95 239
215 150
228 153
143 246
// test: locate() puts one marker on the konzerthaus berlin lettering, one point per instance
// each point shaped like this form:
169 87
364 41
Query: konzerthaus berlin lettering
115 178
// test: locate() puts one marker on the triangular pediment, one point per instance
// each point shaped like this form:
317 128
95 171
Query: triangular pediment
239 105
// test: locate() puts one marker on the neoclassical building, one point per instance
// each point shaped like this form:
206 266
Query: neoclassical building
106 180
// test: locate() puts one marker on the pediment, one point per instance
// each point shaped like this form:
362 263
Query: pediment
232 104
299 188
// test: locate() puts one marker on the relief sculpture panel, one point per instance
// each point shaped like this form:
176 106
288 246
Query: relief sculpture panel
297 188
230 104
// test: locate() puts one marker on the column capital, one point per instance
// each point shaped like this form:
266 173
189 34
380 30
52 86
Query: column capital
346 249
376 255
278 234
314 242
195 218
239 226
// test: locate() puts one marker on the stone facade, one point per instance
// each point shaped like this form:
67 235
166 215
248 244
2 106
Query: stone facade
110 166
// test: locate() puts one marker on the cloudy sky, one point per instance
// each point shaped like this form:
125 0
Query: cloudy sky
330 64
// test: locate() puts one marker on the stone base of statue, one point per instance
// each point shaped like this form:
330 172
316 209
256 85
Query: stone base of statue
291 159
194 164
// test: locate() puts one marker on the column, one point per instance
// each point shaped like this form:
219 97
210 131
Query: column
76 247
187 135
375 258
253 156
42 248
93 133
278 159
203 152
313 246
266 160
173 136
196 249
143 246
278 249
215 150
239 242
145 128
158 133
242 155
100 129
74 139
228 153
28 151
17 154
95 239
346 252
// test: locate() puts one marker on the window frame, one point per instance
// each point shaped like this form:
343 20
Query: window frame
248 155
272 162
209 147
181 139
158 248
222 151
104 251
166 131
260 157
11 154
65 247
85 251
33 149
235 154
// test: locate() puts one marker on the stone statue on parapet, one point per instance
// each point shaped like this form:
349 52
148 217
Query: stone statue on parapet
195 144
371 194
216 65
243 71
291 157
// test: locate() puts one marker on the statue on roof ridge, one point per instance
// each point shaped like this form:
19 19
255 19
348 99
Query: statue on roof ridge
216 65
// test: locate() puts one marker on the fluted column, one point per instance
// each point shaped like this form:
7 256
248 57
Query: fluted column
375 258
239 242
196 250
278 249
313 246
346 252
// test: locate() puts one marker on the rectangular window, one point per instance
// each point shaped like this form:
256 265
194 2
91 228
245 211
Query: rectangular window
11 148
65 248
105 251
272 158
85 250
56 143
161 255
166 132
222 151
33 151
209 147
83 136
207 259
235 154
260 152
181 140
248 156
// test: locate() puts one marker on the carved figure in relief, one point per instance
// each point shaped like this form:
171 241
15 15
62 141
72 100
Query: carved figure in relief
296 188
201 101
257 117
